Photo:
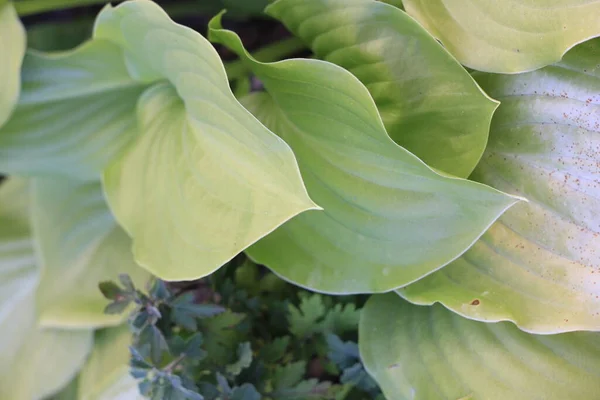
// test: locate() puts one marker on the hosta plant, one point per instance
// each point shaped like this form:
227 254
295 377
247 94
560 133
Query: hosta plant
423 152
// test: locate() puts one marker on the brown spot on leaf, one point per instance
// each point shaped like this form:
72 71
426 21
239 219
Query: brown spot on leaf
475 302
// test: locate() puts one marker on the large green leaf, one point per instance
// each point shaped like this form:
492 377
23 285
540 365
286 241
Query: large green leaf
508 36
539 265
18 268
429 104
34 362
47 360
430 353
76 112
106 376
388 219
12 48
205 179
80 245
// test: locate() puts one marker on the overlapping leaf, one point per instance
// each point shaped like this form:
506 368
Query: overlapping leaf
105 375
76 112
34 362
429 104
508 36
423 353
80 245
388 218
205 179
12 48
539 265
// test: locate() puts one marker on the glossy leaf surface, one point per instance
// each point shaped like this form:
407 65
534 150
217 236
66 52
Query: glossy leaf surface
204 180
508 36
539 265
429 104
12 48
424 353
80 245
388 219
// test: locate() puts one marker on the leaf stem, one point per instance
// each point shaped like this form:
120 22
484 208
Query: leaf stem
171 366
273 52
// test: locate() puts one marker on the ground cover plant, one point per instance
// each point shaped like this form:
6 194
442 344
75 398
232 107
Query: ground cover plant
327 199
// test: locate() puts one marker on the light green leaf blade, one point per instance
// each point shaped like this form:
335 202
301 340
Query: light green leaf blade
80 245
76 112
205 179
388 219
508 36
34 363
105 375
429 104
18 269
539 265
12 48
45 363
424 353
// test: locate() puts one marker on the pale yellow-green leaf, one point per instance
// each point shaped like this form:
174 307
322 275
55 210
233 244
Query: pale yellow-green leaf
47 360
204 179
34 362
12 50
18 269
508 36
105 375
80 245
76 112
428 103
389 219
430 353
539 265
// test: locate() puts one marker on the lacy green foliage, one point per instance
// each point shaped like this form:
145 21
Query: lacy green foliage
263 340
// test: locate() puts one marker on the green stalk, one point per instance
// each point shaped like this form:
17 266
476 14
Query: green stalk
270 53
29 7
